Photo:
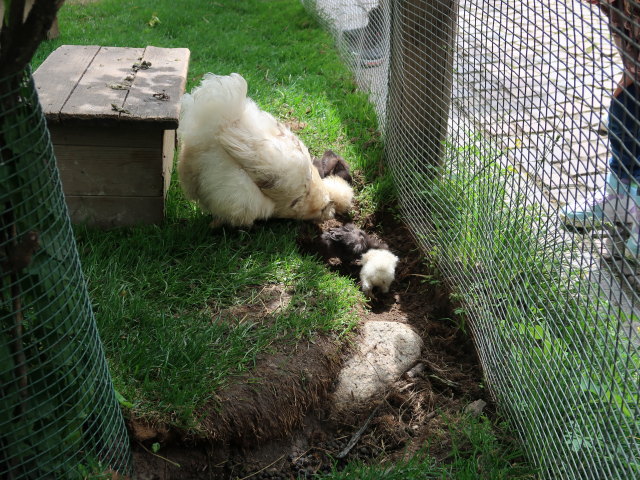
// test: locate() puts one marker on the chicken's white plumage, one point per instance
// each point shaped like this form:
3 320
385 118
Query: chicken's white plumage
378 270
239 163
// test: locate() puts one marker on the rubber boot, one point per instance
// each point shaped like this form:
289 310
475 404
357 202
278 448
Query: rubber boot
611 205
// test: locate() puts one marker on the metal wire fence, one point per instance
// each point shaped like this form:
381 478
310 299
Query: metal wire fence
59 417
499 127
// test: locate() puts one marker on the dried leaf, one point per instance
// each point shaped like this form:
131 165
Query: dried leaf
118 109
119 86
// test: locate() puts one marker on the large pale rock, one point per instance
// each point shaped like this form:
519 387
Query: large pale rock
385 351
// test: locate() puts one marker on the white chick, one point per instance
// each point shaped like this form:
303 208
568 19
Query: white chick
378 270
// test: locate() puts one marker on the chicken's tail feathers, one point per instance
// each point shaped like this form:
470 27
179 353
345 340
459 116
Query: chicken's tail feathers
218 100
340 193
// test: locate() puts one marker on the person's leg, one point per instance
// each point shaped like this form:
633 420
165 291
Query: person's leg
624 137
624 130
366 42
615 203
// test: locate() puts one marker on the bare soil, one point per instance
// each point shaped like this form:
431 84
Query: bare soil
279 424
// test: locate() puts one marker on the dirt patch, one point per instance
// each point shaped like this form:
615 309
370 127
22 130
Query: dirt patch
269 402
249 424
275 398
277 424
260 304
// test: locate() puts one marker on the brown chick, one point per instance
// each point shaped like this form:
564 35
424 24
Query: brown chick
332 164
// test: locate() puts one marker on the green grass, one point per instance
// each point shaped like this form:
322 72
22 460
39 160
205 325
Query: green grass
565 375
157 293
476 453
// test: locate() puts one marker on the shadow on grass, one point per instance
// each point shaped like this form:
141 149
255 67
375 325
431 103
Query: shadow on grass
157 292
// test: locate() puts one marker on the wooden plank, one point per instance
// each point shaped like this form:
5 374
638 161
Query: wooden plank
58 75
141 136
156 91
109 212
110 170
94 96
168 151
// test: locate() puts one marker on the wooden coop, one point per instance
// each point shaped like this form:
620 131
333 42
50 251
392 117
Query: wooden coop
113 114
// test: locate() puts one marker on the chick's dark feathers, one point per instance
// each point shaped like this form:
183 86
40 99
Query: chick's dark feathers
332 164
348 242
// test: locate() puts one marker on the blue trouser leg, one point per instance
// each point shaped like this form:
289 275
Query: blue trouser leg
624 134
624 138
619 202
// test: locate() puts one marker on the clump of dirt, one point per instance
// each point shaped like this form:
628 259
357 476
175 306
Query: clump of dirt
274 398
277 423
245 424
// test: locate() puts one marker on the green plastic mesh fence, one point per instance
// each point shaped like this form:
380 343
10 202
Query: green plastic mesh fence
59 417
518 174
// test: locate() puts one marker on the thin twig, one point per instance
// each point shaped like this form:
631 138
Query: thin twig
444 381
263 468
295 460
159 456
358 434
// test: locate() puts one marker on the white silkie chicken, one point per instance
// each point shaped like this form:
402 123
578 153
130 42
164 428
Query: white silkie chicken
378 270
241 164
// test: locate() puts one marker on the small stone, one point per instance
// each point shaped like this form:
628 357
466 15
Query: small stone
475 408
364 451
416 370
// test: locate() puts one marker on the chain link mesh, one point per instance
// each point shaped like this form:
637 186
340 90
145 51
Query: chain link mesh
59 417
495 120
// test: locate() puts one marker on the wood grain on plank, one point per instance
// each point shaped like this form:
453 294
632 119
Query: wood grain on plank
108 212
94 96
110 170
168 152
156 91
59 74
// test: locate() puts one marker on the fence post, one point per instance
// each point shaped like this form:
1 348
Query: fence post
420 80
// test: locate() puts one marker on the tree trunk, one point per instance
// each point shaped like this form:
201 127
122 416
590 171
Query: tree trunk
24 26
